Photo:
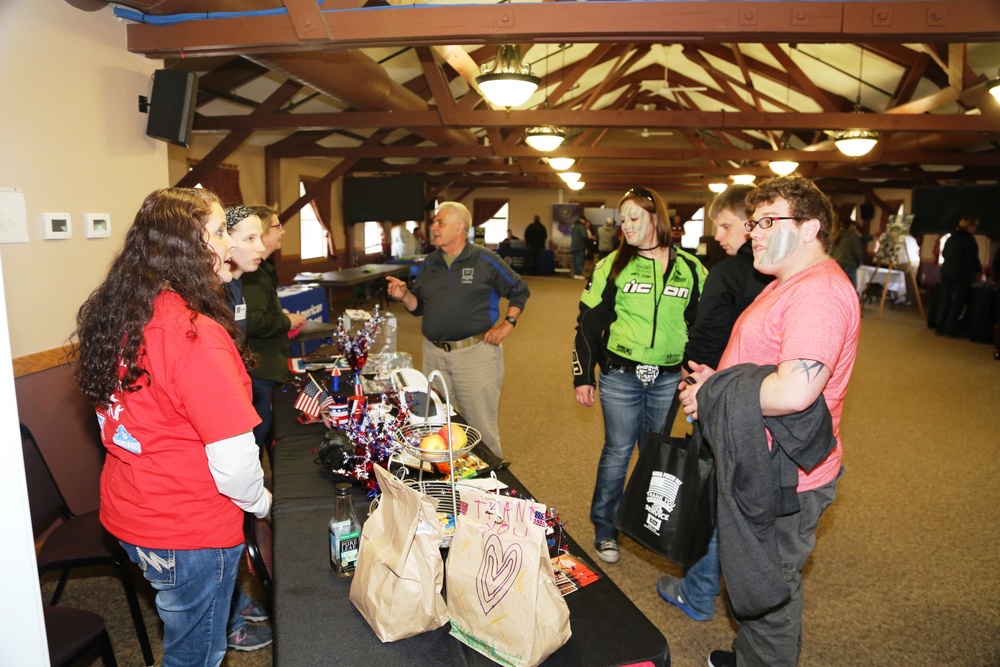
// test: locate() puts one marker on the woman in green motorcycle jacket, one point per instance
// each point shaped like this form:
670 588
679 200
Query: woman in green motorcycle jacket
634 316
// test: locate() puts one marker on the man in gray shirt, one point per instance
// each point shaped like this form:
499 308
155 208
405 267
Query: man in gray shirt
458 292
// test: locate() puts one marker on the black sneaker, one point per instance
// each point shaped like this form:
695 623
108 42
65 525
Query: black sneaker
607 550
721 659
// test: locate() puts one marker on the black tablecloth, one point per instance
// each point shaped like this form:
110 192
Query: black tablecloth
316 624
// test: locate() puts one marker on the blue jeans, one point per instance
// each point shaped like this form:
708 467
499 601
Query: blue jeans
629 411
262 404
578 262
240 600
195 591
700 585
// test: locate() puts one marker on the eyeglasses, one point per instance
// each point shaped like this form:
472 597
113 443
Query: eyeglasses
642 193
765 223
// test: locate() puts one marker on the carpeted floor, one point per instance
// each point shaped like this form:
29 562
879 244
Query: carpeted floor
904 572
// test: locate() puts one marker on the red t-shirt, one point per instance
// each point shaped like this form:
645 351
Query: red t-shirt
156 487
813 315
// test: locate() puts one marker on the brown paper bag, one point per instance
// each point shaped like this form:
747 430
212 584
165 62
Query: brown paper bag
502 594
397 584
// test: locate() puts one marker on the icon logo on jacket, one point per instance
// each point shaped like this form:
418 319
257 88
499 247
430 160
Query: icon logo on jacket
467 276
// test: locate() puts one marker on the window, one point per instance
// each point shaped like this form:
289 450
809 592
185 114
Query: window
374 236
312 233
496 227
694 229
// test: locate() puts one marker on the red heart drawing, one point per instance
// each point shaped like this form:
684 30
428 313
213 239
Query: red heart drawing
497 572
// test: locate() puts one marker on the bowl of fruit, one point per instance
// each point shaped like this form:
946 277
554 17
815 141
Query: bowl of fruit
430 441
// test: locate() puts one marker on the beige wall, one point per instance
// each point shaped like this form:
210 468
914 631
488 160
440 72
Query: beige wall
72 139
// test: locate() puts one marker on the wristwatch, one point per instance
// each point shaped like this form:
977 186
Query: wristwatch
512 320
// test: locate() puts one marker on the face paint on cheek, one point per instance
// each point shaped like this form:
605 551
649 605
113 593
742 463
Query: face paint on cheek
780 246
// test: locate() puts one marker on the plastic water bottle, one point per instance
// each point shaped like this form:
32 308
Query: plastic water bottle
345 533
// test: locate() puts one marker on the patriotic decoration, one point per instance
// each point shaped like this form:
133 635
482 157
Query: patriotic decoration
355 348
312 400
372 431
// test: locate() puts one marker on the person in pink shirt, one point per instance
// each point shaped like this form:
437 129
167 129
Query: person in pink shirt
806 323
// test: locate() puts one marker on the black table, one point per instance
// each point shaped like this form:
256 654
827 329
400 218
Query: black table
316 623
357 275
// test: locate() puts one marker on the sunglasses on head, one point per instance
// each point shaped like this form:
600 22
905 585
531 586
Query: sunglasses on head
642 193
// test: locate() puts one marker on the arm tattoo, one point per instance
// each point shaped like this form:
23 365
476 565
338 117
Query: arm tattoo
810 368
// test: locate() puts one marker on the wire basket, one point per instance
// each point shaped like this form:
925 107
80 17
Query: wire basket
442 493
410 435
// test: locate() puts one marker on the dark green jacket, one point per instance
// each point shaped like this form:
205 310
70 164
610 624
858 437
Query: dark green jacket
267 324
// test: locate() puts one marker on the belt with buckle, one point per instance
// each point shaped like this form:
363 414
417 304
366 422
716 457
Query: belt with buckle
451 345
645 373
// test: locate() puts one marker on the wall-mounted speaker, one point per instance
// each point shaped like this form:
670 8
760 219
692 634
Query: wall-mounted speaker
171 107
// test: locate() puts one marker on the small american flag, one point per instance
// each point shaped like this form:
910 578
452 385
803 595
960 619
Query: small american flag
312 400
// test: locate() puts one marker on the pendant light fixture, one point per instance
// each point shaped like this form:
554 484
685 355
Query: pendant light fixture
717 187
743 179
560 163
569 176
857 142
509 82
545 138
993 87
783 167
576 185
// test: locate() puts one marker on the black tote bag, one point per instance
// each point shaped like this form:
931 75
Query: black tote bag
670 500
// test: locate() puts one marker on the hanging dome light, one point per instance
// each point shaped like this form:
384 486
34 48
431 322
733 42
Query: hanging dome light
560 163
783 167
993 87
509 83
743 179
545 138
576 185
856 143
569 176
717 187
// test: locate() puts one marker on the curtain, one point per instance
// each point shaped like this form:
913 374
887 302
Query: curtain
224 181
321 205
484 209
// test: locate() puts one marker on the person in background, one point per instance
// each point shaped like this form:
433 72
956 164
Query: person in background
960 268
995 275
579 237
676 230
731 286
535 238
634 317
793 346
267 326
848 251
245 231
162 362
607 238
403 243
457 291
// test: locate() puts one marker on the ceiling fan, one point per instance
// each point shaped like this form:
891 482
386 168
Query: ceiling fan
658 87
646 132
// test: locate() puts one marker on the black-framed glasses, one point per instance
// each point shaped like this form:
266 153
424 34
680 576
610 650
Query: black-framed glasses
766 222
642 193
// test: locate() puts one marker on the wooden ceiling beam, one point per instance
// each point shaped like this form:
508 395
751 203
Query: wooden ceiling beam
898 120
633 152
555 22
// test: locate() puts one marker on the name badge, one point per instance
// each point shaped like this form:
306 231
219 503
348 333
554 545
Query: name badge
241 312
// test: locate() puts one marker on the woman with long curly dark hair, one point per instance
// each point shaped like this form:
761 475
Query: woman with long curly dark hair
161 360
